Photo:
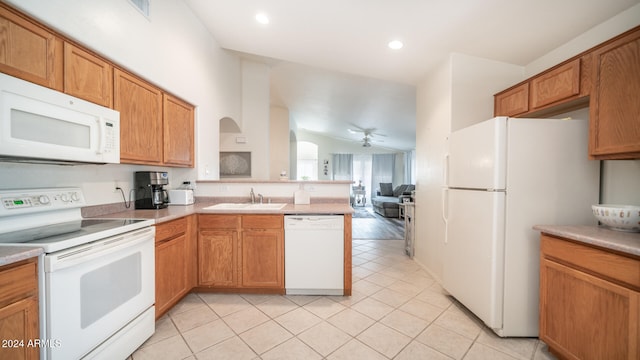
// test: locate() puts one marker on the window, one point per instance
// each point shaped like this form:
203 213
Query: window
307 161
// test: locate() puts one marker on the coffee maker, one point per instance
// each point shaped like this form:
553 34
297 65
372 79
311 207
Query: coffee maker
150 192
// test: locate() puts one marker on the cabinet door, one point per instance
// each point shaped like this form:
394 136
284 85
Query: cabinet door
218 258
178 132
172 277
87 76
140 106
18 326
28 51
19 309
512 102
585 317
614 107
262 259
555 85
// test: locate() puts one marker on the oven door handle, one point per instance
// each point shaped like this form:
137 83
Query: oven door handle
84 253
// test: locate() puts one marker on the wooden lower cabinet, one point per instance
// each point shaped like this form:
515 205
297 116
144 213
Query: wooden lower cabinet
19 310
218 258
262 251
241 253
589 301
175 268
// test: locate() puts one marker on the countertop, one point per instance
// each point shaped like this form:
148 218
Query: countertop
12 254
620 241
177 211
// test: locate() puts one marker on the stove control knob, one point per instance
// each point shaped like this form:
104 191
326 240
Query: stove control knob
64 197
43 199
75 197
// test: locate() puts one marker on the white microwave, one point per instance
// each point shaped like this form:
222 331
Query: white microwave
42 125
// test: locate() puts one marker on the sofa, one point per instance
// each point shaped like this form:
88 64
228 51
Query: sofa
387 200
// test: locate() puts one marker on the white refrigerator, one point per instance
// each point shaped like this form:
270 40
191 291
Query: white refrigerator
504 176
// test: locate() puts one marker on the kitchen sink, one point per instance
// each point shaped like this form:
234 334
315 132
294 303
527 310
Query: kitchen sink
235 206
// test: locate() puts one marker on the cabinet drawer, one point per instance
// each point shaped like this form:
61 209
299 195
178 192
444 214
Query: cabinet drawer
18 281
617 268
170 229
262 221
219 221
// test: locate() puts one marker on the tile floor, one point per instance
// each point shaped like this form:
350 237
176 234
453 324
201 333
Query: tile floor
397 311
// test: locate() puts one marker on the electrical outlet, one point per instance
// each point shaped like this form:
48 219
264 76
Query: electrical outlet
116 186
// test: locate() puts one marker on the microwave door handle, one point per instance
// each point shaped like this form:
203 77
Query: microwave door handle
102 135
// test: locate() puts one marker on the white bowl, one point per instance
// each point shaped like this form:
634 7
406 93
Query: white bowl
618 217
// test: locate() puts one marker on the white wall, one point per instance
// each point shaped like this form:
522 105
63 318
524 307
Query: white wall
457 94
170 49
278 141
254 122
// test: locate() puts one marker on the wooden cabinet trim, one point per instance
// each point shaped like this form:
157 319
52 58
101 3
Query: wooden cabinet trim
613 267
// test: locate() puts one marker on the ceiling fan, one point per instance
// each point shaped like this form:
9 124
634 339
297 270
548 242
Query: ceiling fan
368 135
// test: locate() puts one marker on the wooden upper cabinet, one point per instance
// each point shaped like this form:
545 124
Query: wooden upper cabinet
178 132
87 76
513 101
140 106
614 107
556 85
29 51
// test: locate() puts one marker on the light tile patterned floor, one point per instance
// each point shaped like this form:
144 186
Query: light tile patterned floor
397 311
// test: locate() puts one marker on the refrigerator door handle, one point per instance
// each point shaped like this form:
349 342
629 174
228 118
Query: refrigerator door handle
445 170
445 195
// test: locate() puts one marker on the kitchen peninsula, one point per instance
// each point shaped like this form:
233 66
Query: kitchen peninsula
232 250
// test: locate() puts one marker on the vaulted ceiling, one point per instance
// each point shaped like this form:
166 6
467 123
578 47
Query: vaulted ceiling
331 67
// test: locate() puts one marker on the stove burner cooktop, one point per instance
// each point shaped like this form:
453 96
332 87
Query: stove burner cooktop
60 236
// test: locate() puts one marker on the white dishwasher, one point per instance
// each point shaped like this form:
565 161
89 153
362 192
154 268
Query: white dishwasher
314 254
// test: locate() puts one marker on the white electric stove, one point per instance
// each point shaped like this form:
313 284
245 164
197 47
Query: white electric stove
96 276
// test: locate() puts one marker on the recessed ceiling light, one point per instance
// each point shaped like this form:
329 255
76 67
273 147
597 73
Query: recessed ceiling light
262 18
396 44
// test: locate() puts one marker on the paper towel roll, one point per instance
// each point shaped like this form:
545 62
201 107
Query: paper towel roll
301 197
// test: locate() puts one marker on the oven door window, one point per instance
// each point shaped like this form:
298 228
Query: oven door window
109 287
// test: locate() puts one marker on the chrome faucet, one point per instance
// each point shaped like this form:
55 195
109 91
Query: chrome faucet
253 196
260 197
